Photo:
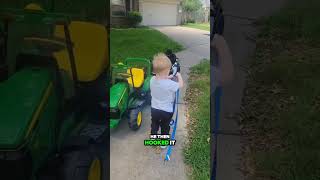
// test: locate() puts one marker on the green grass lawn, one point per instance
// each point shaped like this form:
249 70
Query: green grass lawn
281 115
197 151
202 26
139 42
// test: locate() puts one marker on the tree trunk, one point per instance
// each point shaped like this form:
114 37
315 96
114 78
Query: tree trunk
206 15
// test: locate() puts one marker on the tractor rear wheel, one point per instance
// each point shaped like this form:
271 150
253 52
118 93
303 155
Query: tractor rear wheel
85 164
135 118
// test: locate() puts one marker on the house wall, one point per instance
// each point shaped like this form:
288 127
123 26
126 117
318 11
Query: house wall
135 5
167 2
156 1
162 1
122 21
118 21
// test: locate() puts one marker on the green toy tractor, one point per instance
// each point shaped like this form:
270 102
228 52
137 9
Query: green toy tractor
130 91
53 96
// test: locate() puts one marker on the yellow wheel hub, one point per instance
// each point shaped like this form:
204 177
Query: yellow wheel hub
139 118
95 170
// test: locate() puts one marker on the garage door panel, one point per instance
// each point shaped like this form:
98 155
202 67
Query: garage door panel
159 14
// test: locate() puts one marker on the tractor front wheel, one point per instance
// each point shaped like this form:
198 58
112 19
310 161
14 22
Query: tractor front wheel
84 164
135 118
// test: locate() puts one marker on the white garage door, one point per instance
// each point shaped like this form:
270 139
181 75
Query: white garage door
155 14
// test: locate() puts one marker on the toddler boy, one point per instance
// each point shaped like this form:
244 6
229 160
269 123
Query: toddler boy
163 90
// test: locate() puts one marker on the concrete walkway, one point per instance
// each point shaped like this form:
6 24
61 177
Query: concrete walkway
129 159
236 32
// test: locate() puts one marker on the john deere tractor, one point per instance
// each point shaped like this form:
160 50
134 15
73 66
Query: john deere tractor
53 96
130 91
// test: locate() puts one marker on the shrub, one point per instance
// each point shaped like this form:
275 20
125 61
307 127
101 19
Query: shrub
191 21
134 18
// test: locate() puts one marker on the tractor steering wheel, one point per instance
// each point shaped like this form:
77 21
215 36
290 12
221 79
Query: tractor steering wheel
125 75
45 45
56 44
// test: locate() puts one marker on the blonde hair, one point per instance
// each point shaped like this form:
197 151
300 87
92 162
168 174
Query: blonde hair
161 63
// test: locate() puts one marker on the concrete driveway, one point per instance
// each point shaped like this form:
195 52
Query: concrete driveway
129 159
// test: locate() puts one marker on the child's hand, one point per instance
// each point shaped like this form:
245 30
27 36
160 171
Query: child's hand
225 67
170 76
180 81
178 74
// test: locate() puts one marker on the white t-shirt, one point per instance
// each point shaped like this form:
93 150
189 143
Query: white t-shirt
163 93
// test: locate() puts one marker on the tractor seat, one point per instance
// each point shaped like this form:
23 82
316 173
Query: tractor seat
90 50
137 76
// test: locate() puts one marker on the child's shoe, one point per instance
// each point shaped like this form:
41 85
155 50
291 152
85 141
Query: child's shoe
171 123
163 147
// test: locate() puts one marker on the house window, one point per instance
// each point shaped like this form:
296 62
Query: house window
118 7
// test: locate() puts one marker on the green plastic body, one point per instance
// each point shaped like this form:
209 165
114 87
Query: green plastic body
29 121
28 109
20 96
119 94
